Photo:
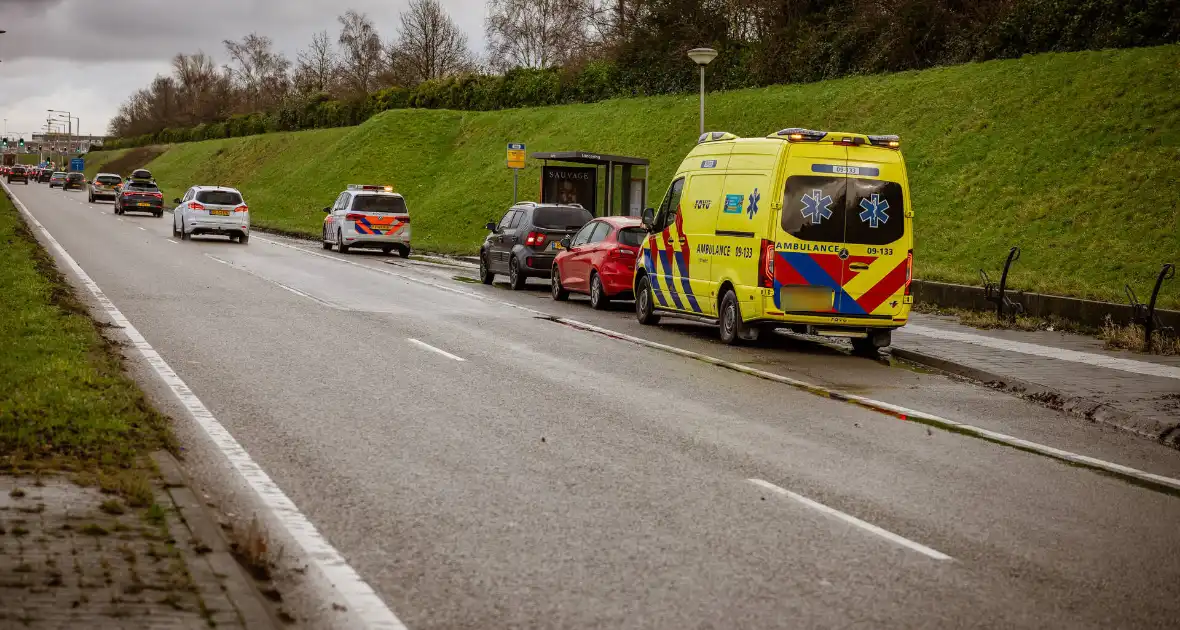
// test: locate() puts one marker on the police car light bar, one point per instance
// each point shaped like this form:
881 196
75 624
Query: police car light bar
796 134
370 187
715 136
893 142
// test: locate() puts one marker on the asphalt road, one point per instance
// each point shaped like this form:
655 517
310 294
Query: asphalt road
556 478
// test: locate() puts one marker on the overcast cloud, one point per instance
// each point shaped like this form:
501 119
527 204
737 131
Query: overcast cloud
88 56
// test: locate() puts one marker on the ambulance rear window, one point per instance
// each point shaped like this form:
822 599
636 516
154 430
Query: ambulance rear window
843 210
379 203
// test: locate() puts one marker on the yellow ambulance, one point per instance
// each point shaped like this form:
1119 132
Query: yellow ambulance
803 229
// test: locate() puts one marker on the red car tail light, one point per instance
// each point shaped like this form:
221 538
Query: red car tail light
192 205
242 208
535 239
626 253
352 216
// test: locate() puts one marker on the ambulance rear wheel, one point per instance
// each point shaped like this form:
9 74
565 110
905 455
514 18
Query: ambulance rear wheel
645 303
403 251
733 329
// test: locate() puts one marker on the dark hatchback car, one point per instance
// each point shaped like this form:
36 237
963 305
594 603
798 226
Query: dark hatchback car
74 180
18 174
138 196
44 175
527 239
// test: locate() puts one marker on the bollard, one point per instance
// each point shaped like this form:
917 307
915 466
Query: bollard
998 295
1144 315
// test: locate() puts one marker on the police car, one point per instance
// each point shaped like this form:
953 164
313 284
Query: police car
368 216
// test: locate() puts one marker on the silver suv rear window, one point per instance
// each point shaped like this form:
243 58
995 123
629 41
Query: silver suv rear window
219 197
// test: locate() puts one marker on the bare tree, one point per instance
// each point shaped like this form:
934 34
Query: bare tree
201 88
318 65
537 33
361 52
260 72
429 45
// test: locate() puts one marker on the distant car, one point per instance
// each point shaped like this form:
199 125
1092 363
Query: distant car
527 239
105 186
74 180
57 180
44 176
137 196
599 260
211 210
368 216
18 173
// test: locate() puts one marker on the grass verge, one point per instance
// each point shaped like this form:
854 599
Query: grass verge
1073 157
65 402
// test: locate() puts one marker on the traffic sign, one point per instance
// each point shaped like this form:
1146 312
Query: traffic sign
515 155
77 165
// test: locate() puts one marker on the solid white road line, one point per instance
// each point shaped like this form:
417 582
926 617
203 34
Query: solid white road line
422 344
852 520
172 241
361 598
142 228
1143 368
1159 481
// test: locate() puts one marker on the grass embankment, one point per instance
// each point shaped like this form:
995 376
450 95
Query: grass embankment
65 403
1073 157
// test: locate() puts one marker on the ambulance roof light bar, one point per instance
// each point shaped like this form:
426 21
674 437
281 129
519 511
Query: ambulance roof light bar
715 136
798 134
892 142
370 187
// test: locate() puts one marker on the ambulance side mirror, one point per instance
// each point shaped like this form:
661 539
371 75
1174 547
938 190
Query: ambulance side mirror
648 218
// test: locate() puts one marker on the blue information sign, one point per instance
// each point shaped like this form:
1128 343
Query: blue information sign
77 164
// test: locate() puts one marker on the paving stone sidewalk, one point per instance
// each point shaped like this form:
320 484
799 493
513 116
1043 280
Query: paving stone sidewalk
1137 392
74 557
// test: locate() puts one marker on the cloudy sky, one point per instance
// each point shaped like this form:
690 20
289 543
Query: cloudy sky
88 56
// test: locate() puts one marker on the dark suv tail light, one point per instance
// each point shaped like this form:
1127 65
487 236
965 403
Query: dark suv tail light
766 264
535 239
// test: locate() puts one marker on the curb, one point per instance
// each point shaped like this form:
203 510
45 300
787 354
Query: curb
207 553
1077 406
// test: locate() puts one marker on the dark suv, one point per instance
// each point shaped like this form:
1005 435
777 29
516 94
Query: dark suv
74 180
44 175
18 173
139 196
527 239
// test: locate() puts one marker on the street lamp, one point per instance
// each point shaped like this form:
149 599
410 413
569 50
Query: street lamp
702 57
70 121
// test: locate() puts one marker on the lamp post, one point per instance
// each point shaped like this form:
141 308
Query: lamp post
702 57
70 128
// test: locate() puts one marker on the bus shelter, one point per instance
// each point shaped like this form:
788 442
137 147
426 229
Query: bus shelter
607 185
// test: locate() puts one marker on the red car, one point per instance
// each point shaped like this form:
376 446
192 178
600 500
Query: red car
599 260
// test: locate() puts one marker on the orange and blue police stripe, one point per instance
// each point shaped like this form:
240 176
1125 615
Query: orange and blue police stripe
377 225
828 270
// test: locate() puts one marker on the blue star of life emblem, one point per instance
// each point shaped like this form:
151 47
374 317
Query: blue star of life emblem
817 206
874 211
753 209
